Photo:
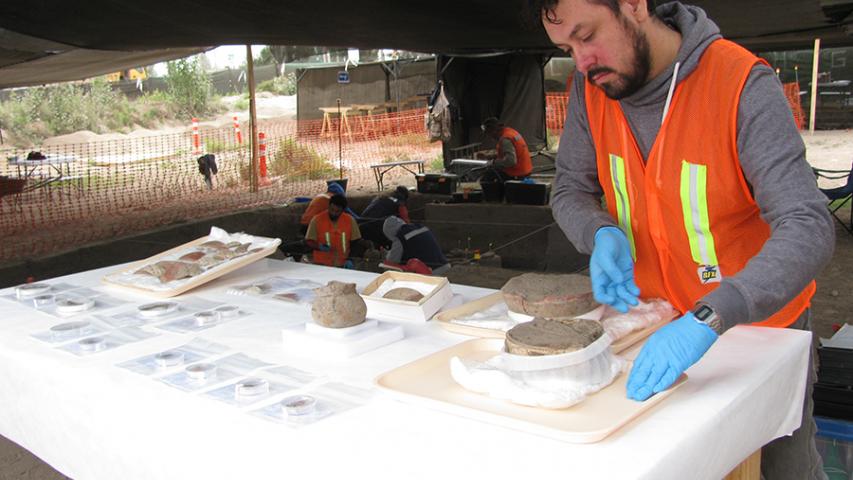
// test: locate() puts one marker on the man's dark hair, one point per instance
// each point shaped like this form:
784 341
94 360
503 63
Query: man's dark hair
535 9
338 200
401 193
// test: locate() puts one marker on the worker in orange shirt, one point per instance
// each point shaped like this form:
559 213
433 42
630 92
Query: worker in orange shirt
321 203
332 233
512 160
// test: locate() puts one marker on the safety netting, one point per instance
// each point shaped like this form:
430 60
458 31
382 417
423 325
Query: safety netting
87 192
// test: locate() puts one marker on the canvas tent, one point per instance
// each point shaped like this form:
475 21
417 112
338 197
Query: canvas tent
437 26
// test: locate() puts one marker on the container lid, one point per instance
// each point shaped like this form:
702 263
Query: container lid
834 428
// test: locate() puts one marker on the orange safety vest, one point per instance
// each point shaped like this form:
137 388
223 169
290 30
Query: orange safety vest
336 235
688 212
318 204
523 164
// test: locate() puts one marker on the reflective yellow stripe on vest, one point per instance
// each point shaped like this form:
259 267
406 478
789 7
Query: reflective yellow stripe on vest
694 205
623 204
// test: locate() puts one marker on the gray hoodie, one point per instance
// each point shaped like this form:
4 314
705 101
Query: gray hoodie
772 156
390 228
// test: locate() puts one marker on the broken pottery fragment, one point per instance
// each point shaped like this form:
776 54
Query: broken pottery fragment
338 305
167 271
549 296
552 337
192 256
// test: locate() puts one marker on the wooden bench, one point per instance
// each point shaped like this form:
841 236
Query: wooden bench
380 169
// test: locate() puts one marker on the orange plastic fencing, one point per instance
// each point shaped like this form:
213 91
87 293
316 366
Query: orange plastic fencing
555 111
95 191
792 93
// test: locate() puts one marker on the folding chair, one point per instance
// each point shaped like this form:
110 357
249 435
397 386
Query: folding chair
840 196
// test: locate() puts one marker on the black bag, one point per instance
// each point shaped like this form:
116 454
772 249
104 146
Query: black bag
207 165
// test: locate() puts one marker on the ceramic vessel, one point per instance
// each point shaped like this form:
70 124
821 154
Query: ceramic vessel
338 305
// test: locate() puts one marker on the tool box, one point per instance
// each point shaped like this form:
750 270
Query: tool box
523 193
440 183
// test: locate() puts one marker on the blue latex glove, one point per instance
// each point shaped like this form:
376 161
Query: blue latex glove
323 247
349 265
611 270
528 181
667 354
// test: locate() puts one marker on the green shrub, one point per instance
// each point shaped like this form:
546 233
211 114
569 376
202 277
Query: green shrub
283 85
189 87
216 145
296 161
33 114
241 104
437 164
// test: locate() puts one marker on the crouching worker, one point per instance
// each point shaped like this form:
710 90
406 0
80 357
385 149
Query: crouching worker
412 241
332 234
380 208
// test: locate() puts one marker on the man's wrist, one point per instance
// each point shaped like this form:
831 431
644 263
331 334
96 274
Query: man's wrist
705 314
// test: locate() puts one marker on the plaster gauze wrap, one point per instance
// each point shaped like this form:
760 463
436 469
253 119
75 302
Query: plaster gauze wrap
548 381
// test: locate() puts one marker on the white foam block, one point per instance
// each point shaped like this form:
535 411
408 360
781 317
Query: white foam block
301 341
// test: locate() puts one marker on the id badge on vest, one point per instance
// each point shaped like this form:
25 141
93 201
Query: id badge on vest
709 274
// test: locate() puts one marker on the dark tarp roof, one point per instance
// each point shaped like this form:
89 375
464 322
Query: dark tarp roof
441 26
26 60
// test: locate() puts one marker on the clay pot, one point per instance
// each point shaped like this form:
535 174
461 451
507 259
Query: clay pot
338 305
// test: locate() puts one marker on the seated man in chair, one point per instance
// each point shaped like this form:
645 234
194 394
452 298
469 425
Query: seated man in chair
512 157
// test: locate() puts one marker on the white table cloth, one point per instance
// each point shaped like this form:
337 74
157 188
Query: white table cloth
92 420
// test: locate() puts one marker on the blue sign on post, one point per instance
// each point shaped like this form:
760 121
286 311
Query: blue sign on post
343 76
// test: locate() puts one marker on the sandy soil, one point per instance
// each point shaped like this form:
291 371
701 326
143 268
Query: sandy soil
268 106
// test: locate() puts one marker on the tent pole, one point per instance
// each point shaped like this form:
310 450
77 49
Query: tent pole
253 119
813 104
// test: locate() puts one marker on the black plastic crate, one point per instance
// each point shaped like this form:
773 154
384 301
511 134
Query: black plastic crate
526 193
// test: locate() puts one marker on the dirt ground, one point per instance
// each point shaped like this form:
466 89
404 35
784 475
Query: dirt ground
831 305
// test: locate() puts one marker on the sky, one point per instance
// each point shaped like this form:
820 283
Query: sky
220 58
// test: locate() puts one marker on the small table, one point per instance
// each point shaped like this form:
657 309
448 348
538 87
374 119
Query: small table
58 168
464 166
380 169
326 129
366 112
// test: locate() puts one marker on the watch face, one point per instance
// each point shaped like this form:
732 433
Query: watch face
703 313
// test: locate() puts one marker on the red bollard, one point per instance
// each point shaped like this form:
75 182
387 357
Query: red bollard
262 153
237 131
196 138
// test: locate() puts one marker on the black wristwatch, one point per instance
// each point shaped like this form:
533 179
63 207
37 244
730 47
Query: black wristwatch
707 315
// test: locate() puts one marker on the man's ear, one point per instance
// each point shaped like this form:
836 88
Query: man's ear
638 9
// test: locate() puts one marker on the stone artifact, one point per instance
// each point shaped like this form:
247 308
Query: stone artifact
552 337
407 294
338 305
549 296
167 271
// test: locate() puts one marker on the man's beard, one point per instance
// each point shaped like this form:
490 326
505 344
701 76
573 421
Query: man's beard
334 218
627 84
